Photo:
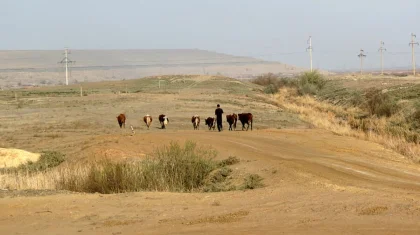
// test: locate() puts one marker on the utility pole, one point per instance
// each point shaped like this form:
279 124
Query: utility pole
310 50
66 61
361 55
413 57
382 49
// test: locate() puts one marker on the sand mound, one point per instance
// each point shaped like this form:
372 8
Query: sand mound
15 157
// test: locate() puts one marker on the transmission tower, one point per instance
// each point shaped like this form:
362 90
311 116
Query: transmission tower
66 61
382 49
413 58
361 56
310 50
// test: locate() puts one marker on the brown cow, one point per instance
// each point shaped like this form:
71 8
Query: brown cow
211 122
196 122
121 120
148 120
232 119
245 118
164 120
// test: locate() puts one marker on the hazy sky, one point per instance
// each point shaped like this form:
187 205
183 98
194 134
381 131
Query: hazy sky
268 29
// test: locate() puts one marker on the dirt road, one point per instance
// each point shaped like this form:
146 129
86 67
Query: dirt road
316 183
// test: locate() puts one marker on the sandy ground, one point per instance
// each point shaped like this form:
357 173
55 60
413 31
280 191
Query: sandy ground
316 182
16 157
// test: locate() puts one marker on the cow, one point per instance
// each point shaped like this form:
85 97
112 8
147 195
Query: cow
121 120
245 118
164 120
148 120
196 122
232 119
210 122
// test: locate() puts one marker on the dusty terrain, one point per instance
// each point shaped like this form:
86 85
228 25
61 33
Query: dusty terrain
316 182
40 68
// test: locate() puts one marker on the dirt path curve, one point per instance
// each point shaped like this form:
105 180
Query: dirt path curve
317 183
346 161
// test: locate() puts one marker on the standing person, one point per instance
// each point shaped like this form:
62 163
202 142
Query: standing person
219 112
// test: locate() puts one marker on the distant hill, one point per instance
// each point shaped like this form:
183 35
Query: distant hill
21 68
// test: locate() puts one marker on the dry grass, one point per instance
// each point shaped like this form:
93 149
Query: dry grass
341 121
220 219
172 168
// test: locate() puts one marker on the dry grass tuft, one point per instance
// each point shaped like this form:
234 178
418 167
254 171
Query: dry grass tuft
224 218
171 168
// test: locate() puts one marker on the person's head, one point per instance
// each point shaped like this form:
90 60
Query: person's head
218 105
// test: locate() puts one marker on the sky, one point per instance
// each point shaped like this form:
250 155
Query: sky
274 30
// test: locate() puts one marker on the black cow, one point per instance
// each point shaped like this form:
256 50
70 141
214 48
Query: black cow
164 120
210 122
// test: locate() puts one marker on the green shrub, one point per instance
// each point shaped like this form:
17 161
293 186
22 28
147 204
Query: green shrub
266 79
307 89
252 181
171 168
229 161
356 98
216 181
272 82
310 83
271 89
380 104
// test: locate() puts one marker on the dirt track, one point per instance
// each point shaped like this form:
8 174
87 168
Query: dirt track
317 183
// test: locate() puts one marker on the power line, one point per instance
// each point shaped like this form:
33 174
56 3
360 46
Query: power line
361 55
66 61
413 57
382 49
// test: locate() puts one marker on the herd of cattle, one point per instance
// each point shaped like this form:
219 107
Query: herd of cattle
244 118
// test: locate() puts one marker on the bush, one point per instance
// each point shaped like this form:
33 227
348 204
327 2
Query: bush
380 104
252 181
414 119
356 98
266 79
216 181
229 161
307 89
272 83
173 168
271 89
310 83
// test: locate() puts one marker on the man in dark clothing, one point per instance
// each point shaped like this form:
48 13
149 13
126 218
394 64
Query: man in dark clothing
219 112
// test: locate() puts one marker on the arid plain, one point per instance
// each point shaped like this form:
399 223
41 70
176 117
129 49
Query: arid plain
316 182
